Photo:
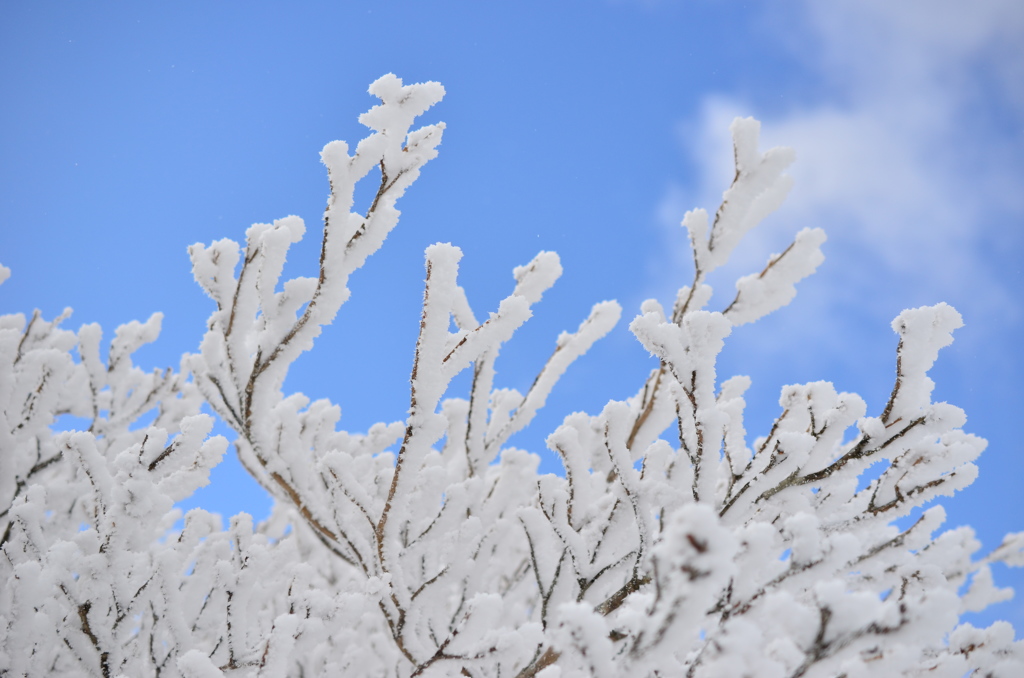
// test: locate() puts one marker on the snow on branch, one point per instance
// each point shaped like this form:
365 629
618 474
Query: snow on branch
759 294
674 544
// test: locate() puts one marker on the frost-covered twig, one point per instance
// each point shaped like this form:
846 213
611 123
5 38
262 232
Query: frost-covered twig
672 545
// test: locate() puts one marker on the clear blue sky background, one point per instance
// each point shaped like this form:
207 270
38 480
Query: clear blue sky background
130 130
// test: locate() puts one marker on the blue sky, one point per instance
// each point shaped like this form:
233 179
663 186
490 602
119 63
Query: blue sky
130 130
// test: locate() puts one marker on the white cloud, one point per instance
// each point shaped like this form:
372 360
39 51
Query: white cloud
909 156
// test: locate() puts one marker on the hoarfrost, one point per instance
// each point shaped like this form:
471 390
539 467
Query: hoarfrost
673 545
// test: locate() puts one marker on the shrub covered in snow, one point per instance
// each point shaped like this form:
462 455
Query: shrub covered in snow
673 545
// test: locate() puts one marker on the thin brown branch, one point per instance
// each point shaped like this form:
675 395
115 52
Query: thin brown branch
887 412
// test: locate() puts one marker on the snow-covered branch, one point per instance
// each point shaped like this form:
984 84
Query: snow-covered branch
673 544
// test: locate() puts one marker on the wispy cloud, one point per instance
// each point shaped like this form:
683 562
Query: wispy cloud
909 153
